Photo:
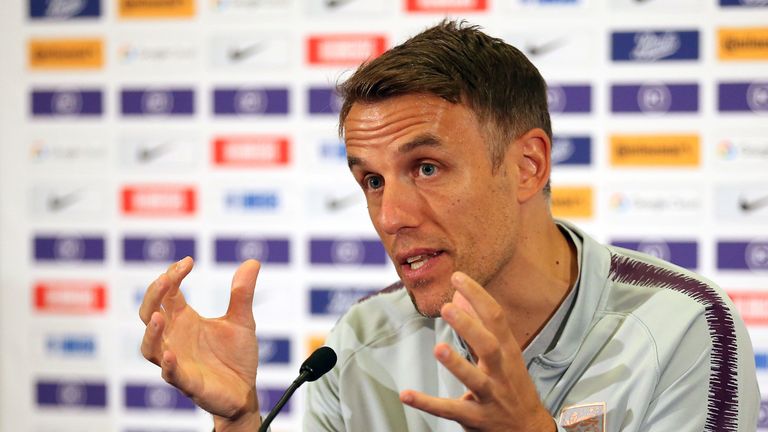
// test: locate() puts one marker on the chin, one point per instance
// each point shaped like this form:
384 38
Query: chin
428 303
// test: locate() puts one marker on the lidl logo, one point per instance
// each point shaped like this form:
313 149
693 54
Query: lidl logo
64 9
344 49
743 43
249 151
155 8
70 297
59 54
655 98
70 394
682 253
572 202
324 251
569 99
655 150
743 96
653 46
446 6
67 102
250 101
159 200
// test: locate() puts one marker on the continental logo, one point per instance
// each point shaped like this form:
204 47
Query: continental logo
655 150
743 43
344 50
156 8
44 54
572 202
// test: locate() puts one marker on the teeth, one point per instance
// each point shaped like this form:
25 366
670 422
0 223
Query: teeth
413 258
417 264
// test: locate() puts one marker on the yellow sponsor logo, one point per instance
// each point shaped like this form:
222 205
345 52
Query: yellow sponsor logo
314 342
655 150
65 53
156 8
743 43
572 202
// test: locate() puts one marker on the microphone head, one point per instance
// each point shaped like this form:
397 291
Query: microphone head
318 363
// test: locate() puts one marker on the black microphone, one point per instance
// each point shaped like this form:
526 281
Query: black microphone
316 365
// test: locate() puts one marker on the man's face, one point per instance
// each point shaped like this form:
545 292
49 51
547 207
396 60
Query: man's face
432 194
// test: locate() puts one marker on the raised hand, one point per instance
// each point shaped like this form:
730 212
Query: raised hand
501 395
213 361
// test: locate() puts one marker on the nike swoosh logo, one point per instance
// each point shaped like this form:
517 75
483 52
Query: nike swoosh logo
240 54
336 204
58 202
336 3
149 153
751 205
535 50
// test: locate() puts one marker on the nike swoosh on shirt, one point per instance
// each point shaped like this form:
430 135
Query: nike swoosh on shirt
747 205
340 203
540 49
149 153
336 3
57 202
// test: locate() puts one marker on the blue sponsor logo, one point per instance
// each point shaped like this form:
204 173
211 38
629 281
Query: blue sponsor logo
346 252
746 3
251 101
267 250
655 98
71 394
274 350
156 397
682 253
252 201
65 248
743 97
762 417
70 346
569 99
335 302
571 150
742 255
64 9
157 102
334 150
653 46
69 103
761 360
324 100
268 397
157 249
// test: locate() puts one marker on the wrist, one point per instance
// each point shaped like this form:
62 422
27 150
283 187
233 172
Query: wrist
248 422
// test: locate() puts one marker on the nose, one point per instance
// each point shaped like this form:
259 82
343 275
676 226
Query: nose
397 209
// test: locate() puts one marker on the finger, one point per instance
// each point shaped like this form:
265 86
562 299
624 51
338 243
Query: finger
486 308
177 376
152 298
240 309
152 341
484 344
174 299
473 378
451 409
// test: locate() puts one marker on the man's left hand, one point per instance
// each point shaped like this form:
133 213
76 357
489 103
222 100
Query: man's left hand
501 395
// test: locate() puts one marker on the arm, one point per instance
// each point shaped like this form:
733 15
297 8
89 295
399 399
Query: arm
501 395
213 361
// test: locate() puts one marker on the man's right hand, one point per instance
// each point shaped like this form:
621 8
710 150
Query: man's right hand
213 361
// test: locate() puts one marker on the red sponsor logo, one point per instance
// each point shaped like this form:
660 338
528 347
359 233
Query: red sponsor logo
71 297
752 306
251 150
159 200
344 50
445 6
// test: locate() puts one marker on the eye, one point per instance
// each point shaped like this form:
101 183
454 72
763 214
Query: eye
427 169
373 182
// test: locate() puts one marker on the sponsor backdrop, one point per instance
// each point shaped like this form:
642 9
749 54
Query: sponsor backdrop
136 132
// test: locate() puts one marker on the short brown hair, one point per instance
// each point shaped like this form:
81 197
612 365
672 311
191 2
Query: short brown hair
461 64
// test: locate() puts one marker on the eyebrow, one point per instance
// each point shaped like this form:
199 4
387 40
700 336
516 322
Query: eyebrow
425 140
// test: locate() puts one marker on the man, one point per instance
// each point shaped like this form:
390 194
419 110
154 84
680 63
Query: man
504 319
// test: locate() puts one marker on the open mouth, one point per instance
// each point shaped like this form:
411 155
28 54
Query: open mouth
417 261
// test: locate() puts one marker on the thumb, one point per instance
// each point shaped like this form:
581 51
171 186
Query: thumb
240 309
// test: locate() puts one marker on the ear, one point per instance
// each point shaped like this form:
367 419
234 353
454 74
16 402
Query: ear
533 163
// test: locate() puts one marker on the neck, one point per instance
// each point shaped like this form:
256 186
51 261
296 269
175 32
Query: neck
537 280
